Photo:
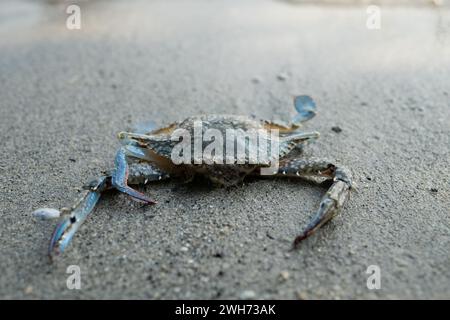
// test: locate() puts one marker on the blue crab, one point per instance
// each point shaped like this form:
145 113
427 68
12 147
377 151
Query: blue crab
146 156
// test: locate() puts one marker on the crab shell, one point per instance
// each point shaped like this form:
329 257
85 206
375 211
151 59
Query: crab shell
226 169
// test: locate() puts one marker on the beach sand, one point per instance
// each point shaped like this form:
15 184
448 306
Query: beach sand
65 94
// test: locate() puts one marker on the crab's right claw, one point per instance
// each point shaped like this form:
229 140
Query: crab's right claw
61 236
306 109
73 218
70 222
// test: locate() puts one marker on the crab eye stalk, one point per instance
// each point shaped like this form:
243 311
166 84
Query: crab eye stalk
126 138
122 135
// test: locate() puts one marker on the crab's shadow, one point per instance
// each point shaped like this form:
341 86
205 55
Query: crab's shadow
203 186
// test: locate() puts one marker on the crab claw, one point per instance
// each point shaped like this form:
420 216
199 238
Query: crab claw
61 236
73 218
330 205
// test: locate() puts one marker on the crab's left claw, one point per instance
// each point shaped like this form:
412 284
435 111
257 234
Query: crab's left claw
331 202
72 218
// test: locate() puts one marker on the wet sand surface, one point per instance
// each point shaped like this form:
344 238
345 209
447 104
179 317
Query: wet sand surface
64 95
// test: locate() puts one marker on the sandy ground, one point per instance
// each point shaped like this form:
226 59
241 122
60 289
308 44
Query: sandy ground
65 94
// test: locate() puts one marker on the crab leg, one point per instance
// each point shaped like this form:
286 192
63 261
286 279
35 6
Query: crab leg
334 198
120 178
306 109
72 218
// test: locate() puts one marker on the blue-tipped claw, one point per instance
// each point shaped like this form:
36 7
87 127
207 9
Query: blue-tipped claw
74 217
60 237
306 108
